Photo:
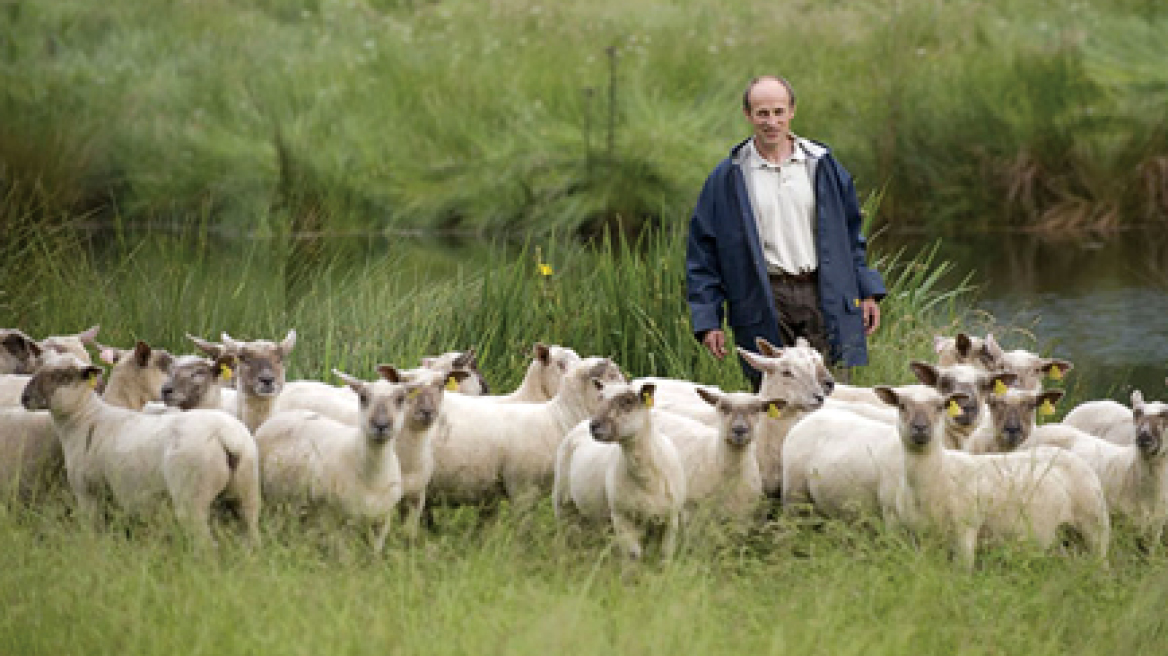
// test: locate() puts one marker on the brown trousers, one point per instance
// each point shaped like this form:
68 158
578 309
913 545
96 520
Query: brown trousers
797 301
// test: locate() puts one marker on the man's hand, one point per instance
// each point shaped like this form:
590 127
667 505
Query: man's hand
715 342
871 315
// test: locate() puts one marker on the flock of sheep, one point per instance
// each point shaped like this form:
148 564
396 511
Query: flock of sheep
962 453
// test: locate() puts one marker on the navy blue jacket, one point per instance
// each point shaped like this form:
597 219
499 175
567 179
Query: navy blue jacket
725 266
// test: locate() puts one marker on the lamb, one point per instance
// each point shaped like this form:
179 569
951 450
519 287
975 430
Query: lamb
1133 475
309 460
484 450
1105 419
259 373
32 463
136 375
197 382
1029 367
72 344
140 461
542 378
619 468
1028 494
19 353
1012 420
721 469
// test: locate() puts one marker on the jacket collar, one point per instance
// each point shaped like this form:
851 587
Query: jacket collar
740 153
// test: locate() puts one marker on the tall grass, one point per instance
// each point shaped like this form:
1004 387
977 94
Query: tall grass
559 117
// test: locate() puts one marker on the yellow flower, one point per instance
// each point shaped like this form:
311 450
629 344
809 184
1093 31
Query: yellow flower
545 269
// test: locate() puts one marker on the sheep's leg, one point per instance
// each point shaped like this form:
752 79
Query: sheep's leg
412 515
195 517
966 547
669 540
380 533
89 509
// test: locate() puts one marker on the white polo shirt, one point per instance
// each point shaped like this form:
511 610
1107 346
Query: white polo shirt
784 208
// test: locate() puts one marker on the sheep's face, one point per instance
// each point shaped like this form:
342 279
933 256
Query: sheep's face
192 378
63 381
142 367
424 403
795 374
465 361
973 384
1029 368
1013 413
553 363
260 364
19 354
1150 422
71 344
579 382
382 409
739 414
921 411
623 411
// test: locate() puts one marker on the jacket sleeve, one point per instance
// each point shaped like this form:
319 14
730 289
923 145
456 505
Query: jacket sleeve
870 282
705 291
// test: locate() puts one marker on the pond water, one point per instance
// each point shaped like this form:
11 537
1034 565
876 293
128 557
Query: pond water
1099 301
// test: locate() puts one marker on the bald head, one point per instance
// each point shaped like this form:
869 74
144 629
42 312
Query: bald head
768 83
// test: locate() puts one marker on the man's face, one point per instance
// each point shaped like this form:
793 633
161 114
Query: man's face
770 113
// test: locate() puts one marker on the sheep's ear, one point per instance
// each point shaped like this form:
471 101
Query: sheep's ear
141 353
887 395
964 345
1056 368
210 348
288 342
802 342
939 343
766 348
991 351
998 382
466 360
18 344
389 372
454 379
542 353
756 361
357 384
108 354
88 335
709 397
1137 401
224 367
1045 401
646 392
230 344
92 375
925 372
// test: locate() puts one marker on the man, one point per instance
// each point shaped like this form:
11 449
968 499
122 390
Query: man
775 237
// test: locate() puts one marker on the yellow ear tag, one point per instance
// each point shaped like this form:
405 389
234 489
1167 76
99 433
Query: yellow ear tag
93 382
773 411
1056 373
954 410
1046 409
999 387
451 384
224 372
412 394
648 399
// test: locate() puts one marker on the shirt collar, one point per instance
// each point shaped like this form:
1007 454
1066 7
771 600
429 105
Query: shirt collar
756 161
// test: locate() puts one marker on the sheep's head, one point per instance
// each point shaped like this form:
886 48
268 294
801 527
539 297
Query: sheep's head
473 384
624 410
973 383
193 378
921 412
260 364
62 381
72 344
961 349
19 353
1014 412
140 371
795 374
552 362
739 414
424 391
579 383
1029 367
381 410
1151 418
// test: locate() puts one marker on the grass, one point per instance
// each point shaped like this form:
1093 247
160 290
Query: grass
516 584
555 118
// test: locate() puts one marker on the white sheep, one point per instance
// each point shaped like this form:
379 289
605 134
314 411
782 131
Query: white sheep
1026 495
142 461
466 361
198 382
31 460
1105 419
973 383
542 379
259 373
960 349
619 468
136 375
309 460
483 450
1029 367
1134 478
1013 416
72 344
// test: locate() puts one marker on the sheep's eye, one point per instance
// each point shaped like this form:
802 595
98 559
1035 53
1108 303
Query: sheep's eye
788 374
363 399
